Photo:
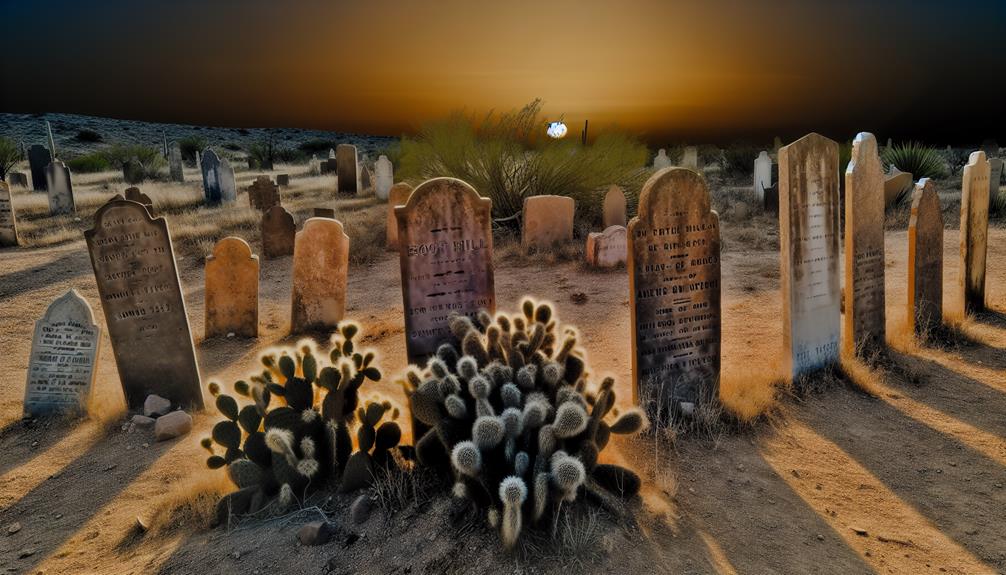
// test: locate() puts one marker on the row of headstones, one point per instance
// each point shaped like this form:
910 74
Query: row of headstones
689 159
353 174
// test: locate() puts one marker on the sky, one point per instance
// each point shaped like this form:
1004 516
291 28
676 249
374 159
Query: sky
667 70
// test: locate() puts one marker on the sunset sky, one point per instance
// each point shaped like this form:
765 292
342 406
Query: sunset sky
699 70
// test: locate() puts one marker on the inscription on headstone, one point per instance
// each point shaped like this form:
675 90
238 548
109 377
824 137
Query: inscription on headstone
232 278
278 233
974 232
607 249
320 266
614 207
263 194
59 188
925 260
384 176
39 159
548 220
346 166
397 196
8 218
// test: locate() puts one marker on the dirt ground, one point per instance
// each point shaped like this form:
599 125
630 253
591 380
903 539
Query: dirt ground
908 479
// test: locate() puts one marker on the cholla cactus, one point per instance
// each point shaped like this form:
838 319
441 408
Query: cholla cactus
511 415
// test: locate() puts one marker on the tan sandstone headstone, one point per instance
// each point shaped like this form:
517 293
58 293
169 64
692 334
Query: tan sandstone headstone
232 276
134 194
278 233
974 232
865 318
614 207
398 195
925 260
134 267
8 218
263 194
548 220
445 249
320 267
896 185
809 249
607 249
674 292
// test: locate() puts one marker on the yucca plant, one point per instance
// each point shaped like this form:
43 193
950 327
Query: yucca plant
10 155
915 158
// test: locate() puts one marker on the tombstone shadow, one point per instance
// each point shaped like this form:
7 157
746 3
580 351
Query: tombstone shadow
992 317
17 437
64 268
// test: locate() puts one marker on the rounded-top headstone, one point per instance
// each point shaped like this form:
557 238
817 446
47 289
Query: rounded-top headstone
974 232
278 232
614 209
320 274
547 220
232 279
925 260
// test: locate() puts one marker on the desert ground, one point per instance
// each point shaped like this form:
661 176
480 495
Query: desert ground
898 466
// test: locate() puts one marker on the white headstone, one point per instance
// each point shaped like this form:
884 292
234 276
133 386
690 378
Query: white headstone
60 190
661 161
384 174
762 175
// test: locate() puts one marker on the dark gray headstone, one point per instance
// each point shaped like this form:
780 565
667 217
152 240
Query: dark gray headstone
39 159
211 179
132 172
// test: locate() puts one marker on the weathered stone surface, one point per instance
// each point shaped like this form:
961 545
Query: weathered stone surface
278 233
59 188
364 178
674 291
762 175
316 533
809 246
17 180
218 179
346 169
175 163
974 232
39 159
133 172
228 187
614 207
64 352
8 218
156 406
263 194
142 421
897 184
232 275
547 220
324 213
690 158
925 260
327 166
865 318
398 195
172 425
320 266
134 267
282 179
995 178
661 160
135 195
445 249
384 176
607 249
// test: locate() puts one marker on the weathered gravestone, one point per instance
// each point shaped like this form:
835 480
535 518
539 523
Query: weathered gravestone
59 189
327 167
897 185
39 159
346 169
762 175
278 233
175 163
8 218
690 158
674 291
661 160
974 232
445 249
384 177
547 220
364 178
135 195
132 172
228 187
614 210
995 178
64 352
282 179
925 260
324 213
397 196
865 318
607 249
17 180
263 194
320 266
331 154
232 277
218 179
137 278
809 246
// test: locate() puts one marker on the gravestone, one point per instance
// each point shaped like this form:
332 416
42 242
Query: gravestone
232 277
282 179
17 180
661 160
225 177
134 267
278 233
762 175
397 196
324 213
39 159
864 317
925 260
64 352
614 207
132 172
974 232
59 188
384 177
547 220
175 163
897 184
690 158
674 292
320 266
346 169
8 218
364 178
327 167
995 178
445 249
210 166
607 249
135 195
263 194
809 247
331 154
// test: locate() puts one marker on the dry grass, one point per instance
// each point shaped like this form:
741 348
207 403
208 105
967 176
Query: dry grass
191 506
507 248
750 399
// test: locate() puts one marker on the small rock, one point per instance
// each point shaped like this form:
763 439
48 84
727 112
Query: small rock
110 467
578 298
141 525
316 533
230 334
236 555
146 445
143 421
25 553
359 512
14 528
172 425
859 531
155 406
820 537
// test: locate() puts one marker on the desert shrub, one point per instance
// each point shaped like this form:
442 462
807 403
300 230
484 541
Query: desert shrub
915 158
149 157
261 154
10 155
318 146
507 411
737 159
190 146
289 156
89 163
393 151
89 136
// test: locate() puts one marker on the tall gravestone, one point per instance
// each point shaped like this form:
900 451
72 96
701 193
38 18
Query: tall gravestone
278 233
925 260
232 278
320 274
132 172
59 188
809 246
8 218
661 160
210 166
547 220
397 196
865 319
364 178
134 267
690 158
175 163
762 175
445 248
995 178
974 232
64 352
346 169
263 194
607 249
674 292
228 187
384 177
39 159
135 195
614 209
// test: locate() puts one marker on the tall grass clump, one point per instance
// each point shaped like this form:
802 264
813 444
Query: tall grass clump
190 146
10 155
915 158
148 156
89 163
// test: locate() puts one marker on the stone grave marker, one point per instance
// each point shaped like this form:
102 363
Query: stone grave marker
8 218
445 249
897 184
232 278
346 169
974 232
995 178
134 267
809 247
398 195
762 175
132 172
614 207
263 194
364 178
547 220
320 266
324 213
690 158
228 187
17 180
282 179
661 160
134 194
331 154
39 159
210 166
175 163
384 177
607 249
64 352
925 260
278 233
59 188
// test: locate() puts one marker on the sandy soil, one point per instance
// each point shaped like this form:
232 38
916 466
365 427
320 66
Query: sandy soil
908 480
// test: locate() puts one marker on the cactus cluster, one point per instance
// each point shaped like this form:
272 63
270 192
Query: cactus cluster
296 434
508 412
